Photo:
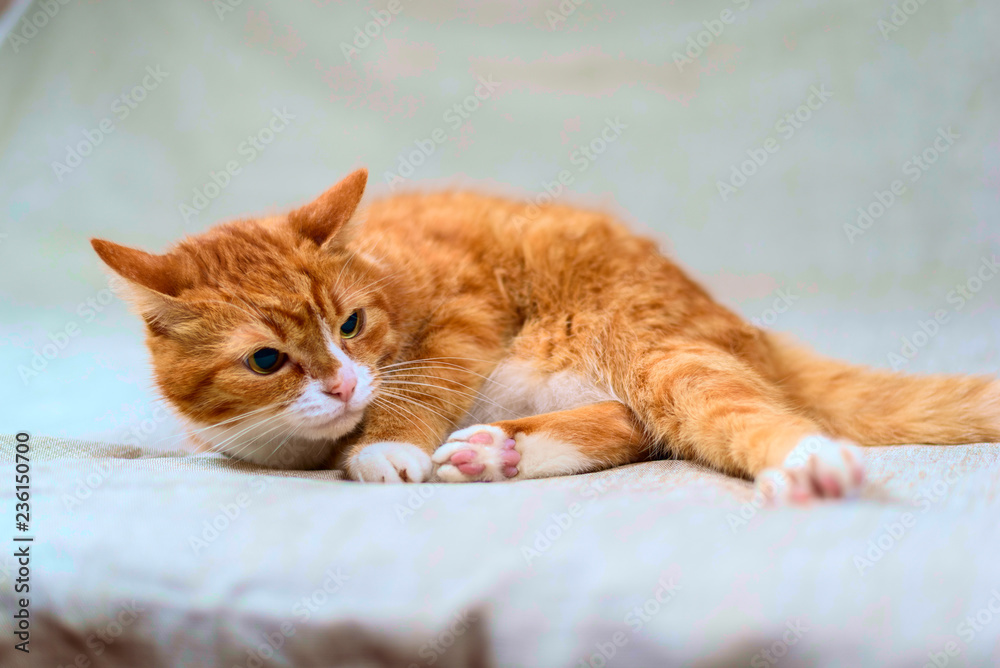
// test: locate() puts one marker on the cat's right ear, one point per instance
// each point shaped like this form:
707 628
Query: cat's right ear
152 282
322 219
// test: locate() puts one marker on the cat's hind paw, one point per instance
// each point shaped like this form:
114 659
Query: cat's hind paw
480 453
817 468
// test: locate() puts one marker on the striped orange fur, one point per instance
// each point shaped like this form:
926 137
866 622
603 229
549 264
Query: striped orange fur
500 342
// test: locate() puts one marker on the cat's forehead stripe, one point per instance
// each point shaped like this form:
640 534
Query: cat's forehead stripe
297 319
320 295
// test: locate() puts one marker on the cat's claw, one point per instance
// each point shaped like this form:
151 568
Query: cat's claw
480 453
817 468
390 462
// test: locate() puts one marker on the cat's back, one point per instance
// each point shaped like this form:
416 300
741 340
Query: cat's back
448 216
476 222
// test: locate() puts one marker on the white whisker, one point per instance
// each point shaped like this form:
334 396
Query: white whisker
394 409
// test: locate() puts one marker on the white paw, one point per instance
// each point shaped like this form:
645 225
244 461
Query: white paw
817 468
390 462
482 453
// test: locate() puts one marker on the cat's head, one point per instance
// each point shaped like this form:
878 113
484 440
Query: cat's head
266 334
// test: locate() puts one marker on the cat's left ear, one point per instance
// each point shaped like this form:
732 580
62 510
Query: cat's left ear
152 282
324 217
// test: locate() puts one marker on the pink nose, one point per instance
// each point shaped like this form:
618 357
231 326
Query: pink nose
342 386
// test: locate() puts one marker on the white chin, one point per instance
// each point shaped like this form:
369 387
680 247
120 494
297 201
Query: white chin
298 445
328 431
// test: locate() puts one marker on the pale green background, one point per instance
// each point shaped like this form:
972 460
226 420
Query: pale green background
685 130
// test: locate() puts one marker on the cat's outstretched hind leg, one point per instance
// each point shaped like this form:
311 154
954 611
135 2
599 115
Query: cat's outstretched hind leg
579 440
711 406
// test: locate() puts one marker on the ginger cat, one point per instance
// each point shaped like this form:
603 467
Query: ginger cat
458 337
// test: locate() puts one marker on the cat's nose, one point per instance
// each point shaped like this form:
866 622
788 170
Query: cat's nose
342 385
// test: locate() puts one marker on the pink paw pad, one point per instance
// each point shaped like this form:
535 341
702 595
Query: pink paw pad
463 457
817 468
472 468
480 453
510 458
467 461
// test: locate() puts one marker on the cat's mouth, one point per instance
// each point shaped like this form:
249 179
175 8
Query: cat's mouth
342 420
321 421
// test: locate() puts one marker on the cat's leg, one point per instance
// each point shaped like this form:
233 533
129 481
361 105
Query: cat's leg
579 440
418 400
412 414
710 406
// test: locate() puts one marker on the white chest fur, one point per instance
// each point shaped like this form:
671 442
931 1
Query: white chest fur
516 389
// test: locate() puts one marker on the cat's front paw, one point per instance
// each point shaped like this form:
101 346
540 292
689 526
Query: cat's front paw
817 468
390 462
480 453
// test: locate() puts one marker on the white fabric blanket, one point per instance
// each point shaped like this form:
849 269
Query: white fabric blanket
142 559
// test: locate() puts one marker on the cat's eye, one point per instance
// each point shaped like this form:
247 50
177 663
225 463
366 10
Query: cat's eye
353 325
266 360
